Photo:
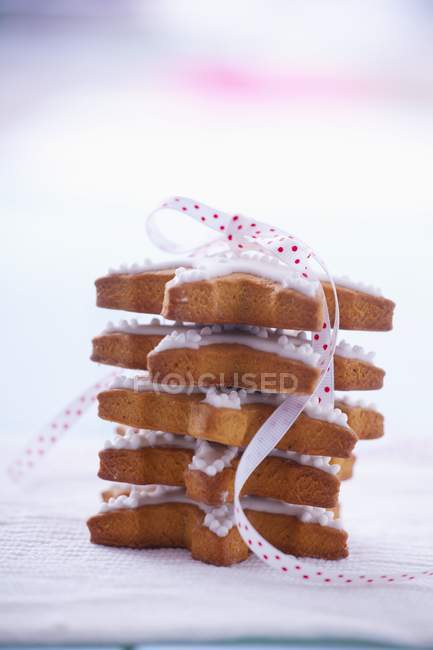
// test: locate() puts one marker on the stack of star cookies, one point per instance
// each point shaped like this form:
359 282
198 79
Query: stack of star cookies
229 349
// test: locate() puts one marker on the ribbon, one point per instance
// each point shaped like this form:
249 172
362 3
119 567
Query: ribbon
45 440
241 234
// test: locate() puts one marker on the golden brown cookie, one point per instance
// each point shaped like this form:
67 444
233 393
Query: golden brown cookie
239 366
139 292
276 478
360 310
242 298
345 472
346 467
229 364
187 414
181 525
355 374
144 293
365 420
233 365
124 349
169 525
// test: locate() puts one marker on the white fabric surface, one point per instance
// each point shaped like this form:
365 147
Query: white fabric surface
57 587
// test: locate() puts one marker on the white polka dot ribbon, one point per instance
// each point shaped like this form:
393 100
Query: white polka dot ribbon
241 234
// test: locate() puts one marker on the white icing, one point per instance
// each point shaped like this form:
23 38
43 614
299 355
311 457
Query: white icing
307 514
255 263
236 398
319 411
219 520
148 265
209 457
355 402
144 495
319 462
260 338
155 327
212 458
164 327
285 343
345 281
222 399
141 438
259 265
348 351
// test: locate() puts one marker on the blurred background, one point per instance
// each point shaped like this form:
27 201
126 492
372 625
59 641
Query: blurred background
316 116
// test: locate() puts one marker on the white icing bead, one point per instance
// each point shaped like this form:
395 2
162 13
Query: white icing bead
214 525
208 519
262 266
135 443
345 281
221 399
193 336
355 403
348 351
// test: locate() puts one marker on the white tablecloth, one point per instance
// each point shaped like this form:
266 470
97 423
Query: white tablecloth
57 587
